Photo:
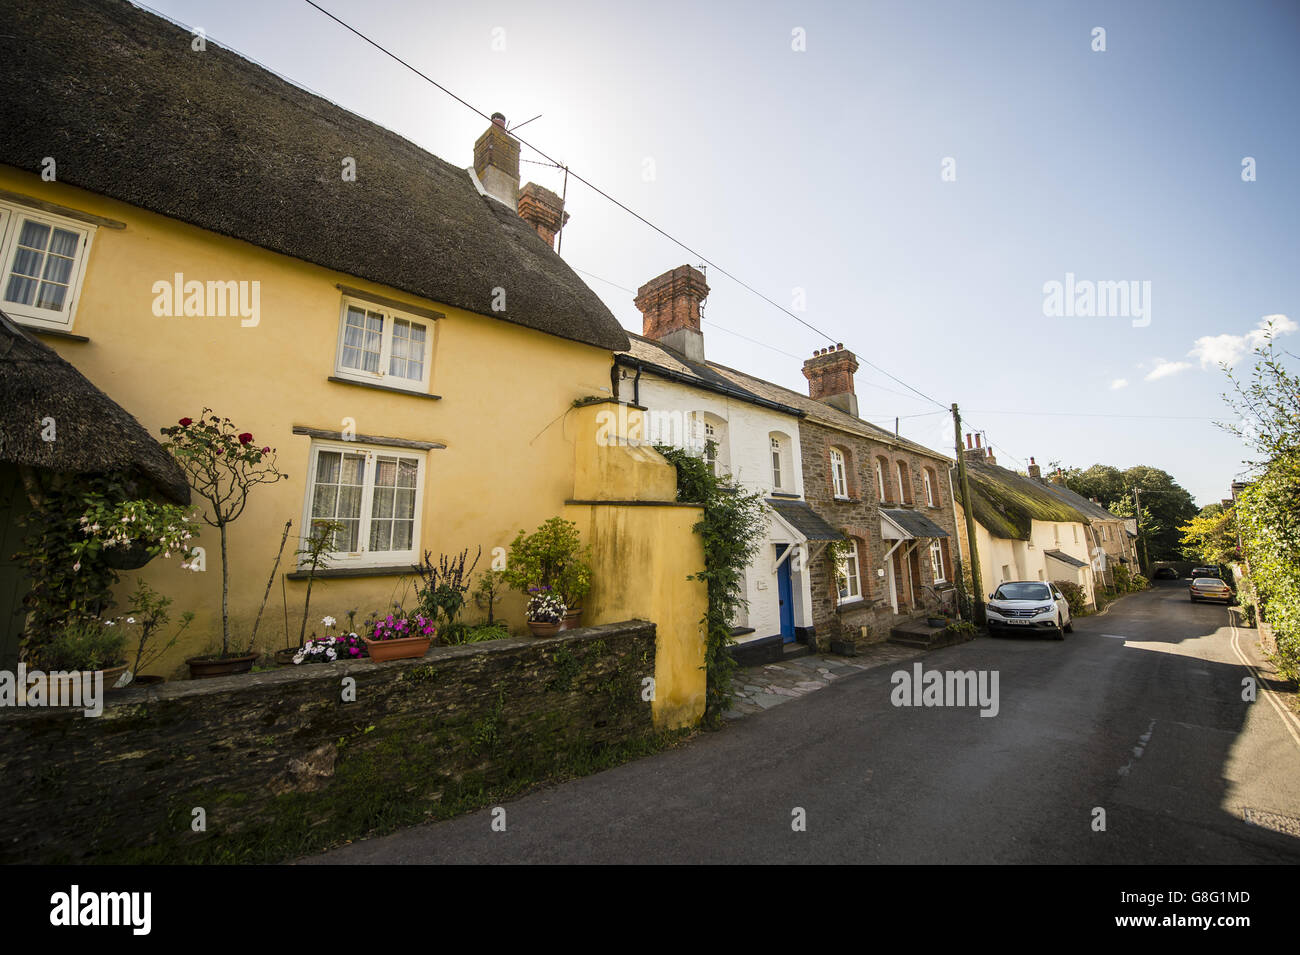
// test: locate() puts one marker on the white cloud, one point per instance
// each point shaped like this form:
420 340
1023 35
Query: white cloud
1118 383
1213 350
1163 369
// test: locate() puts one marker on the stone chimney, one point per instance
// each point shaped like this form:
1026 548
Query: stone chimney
830 378
543 210
975 453
496 162
1035 472
1058 476
670 310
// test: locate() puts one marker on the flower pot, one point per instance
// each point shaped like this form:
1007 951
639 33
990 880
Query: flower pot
572 620
202 668
132 557
403 648
285 657
542 629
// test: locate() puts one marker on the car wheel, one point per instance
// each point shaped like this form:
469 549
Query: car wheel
1069 627
1060 629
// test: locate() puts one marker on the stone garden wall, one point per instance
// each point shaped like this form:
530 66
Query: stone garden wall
280 764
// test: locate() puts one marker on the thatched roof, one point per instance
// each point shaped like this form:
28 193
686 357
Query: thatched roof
1007 503
131 112
1089 509
92 433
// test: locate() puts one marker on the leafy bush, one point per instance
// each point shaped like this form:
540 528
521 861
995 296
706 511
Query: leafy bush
1140 582
443 588
1074 596
84 643
962 627
552 557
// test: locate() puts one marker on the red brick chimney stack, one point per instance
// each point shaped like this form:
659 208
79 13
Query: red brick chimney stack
543 210
670 310
1035 471
830 378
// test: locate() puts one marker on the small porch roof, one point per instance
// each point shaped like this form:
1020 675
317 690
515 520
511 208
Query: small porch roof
900 523
803 521
1065 558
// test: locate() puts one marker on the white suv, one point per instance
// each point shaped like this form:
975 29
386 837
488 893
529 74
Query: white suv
1029 605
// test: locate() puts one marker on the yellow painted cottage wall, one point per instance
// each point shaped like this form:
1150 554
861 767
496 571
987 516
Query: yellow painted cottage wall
506 412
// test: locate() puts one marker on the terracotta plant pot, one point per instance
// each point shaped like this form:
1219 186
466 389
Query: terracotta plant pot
572 620
541 629
202 668
403 648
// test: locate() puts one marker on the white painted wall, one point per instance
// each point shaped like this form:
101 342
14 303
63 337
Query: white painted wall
742 431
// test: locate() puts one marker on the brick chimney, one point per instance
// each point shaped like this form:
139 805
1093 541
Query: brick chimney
543 210
830 378
670 310
974 452
1035 472
1058 476
496 162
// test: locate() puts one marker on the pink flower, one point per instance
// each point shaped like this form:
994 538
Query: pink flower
245 438
266 450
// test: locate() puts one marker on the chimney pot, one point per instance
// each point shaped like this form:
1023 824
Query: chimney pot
499 119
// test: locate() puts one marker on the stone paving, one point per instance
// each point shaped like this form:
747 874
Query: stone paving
762 687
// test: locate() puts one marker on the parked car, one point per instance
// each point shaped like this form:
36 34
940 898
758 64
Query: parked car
1209 588
1165 573
1206 572
1029 605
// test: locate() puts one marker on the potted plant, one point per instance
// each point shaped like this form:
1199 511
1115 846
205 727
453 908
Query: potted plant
443 590
553 559
312 557
223 465
84 645
150 614
344 645
545 614
398 637
127 534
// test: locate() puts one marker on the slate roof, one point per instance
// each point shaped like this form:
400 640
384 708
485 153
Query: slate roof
914 522
93 434
804 519
657 358
1065 558
821 412
131 112
1007 503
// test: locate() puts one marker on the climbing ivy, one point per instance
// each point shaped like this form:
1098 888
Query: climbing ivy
732 528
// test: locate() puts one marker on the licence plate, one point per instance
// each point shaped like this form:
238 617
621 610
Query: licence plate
1021 622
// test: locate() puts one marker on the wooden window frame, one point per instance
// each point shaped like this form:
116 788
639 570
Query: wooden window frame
382 377
11 220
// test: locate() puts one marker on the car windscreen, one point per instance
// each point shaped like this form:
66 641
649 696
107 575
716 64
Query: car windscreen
1028 591
1208 583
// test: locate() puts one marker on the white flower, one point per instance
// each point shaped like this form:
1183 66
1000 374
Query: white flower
328 621
76 567
130 619
109 623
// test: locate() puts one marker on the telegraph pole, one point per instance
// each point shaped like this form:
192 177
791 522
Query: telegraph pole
1142 538
977 598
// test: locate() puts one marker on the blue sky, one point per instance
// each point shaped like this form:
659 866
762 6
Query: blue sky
820 170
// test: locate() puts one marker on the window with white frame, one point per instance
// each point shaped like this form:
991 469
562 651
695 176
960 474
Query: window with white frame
929 488
44 261
904 485
776 461
382 345
373 494
936 562
1075 529
848 582
839 476
880 478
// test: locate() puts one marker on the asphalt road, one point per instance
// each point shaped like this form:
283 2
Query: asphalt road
1138 713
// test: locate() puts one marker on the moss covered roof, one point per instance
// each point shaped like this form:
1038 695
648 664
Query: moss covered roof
1007 503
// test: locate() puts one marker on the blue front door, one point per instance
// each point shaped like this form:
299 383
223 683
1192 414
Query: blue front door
785 594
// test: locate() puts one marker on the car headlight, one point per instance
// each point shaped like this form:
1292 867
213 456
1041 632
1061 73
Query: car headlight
1048 609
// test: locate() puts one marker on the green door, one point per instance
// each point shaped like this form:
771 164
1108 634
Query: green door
13 582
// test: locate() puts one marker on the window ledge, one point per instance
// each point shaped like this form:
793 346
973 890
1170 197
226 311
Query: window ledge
857 603
785 494
395 570
846 500
389 388
51 332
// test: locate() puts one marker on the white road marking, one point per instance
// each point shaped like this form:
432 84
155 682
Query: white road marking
1288 718
1139 748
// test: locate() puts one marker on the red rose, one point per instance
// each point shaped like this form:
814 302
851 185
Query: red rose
186 422
245 438
266 450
